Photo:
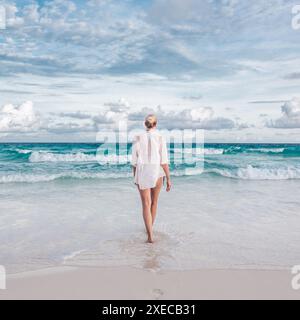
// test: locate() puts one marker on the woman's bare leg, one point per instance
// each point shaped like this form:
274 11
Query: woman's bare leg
146 202
154 198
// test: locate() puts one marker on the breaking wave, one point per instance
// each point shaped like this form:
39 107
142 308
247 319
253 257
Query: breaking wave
252 173
33 178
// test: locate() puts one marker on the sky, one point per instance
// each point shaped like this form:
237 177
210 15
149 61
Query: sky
71 68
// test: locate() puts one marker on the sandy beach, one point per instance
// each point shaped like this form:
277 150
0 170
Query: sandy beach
131 284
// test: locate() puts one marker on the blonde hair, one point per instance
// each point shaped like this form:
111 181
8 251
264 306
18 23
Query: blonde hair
150 121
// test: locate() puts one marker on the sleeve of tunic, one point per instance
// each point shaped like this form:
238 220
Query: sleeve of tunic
164 152
134 152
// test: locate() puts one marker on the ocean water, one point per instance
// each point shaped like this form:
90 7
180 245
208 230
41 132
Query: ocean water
60 206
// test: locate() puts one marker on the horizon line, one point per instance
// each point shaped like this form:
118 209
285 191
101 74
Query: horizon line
86 142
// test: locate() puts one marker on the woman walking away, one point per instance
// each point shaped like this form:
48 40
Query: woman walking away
150 168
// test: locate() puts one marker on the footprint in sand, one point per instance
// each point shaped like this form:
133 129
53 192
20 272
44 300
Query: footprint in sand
157 293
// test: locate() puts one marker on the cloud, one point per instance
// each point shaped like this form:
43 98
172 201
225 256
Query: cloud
12 18
182 13
64 123
64 127
150 52
119 106
75 115
23 119
267 101
193 97
18 118
290 116
87 37
166 37
242 126
198 118
292 76
79 121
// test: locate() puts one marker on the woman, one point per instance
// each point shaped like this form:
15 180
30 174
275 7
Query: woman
150 168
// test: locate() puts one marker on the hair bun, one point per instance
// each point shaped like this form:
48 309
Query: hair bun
150 121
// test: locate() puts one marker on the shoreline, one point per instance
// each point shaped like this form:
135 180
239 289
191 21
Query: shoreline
124 283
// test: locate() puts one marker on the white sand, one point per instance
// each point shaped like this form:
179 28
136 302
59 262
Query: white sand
129 283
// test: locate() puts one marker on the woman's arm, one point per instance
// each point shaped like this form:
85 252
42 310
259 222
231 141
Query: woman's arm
134 170
167 173
134 155
165 162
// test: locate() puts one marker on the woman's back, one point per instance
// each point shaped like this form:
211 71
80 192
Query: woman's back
149 153
149 147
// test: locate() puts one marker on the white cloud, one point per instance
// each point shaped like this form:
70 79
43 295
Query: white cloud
163 37
12 18
24 119
78 122
119 106
290 116
194 118
89 38
20 119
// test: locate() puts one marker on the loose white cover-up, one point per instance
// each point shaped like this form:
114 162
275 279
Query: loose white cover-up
149 153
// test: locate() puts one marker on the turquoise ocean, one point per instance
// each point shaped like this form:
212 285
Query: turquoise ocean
60 206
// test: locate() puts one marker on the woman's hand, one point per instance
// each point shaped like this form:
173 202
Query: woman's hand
167 173
169 185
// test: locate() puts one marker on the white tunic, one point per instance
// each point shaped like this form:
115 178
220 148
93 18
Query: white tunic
149 153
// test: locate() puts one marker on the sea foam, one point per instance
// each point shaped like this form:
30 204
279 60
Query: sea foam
33 178
252 173
37 157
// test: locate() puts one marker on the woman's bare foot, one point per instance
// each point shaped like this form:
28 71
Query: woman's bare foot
150 240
